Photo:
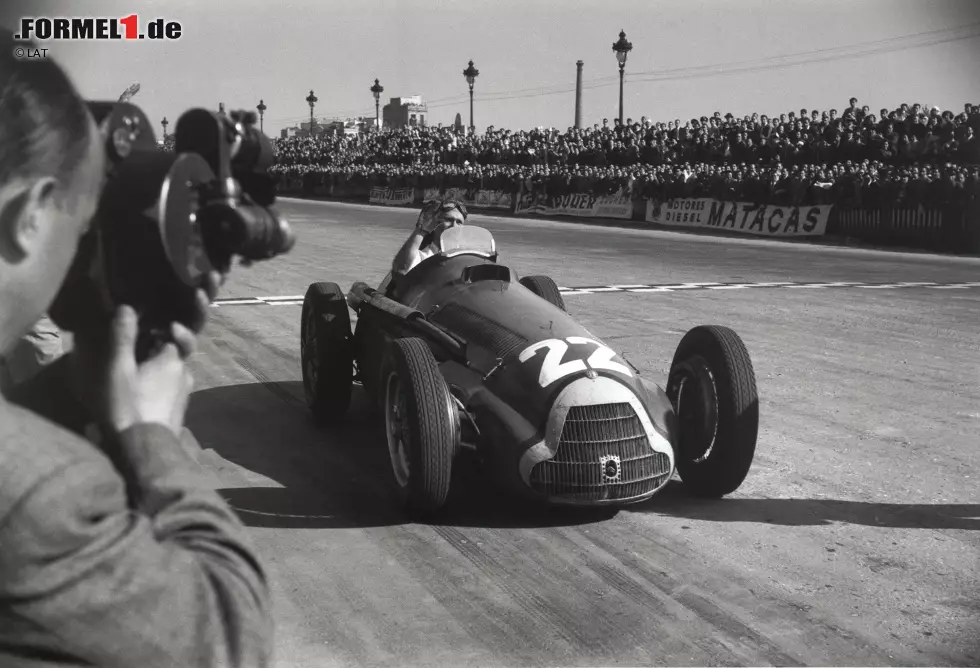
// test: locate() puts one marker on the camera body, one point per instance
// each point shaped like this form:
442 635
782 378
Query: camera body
166 220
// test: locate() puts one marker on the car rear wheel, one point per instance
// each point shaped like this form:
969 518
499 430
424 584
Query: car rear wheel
326 352
421 426
545 288
712 387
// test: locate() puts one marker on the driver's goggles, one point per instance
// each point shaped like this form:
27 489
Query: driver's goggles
450 205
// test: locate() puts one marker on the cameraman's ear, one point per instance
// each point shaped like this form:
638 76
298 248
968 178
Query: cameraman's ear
24 210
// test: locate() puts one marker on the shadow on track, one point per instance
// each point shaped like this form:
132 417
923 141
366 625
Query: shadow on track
673 501
338 477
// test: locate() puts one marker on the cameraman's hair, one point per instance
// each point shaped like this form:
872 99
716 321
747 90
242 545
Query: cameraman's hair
44 123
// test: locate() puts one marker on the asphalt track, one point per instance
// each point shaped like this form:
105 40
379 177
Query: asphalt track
855 539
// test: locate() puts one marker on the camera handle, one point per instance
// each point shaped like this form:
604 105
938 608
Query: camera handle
149 342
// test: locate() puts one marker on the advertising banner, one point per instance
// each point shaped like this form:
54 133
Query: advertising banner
761 220
389 197
490 199
580 204
482 199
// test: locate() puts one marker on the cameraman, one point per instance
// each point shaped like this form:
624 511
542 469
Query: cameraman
116 554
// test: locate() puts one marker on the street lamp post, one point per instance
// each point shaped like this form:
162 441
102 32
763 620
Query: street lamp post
164 123
471 73
377 89
311 100
261 107
622 47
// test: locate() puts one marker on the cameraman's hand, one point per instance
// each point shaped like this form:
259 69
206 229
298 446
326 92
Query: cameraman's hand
124 393
203 300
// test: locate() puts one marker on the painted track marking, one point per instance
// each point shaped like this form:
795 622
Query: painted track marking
297 300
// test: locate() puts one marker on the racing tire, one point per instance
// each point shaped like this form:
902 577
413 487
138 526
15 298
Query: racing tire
326 352
545 288
421 426
713 390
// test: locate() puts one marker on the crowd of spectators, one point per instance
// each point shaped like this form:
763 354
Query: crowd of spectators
913 155
866 183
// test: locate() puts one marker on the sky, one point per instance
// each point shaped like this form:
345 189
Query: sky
690 58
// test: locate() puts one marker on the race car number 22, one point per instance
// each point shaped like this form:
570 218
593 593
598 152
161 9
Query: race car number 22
554 369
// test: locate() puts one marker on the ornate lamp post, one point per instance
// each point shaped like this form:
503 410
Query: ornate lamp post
311 100
471 73
377 89
261 107
164 123
622 47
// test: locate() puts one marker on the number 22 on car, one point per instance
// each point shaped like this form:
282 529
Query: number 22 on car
553 369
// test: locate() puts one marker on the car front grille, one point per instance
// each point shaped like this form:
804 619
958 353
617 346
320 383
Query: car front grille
590 438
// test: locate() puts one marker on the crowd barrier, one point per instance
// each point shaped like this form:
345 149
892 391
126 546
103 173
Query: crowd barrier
953 228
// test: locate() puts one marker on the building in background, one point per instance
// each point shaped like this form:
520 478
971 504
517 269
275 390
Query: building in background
404 111
330 127
359 125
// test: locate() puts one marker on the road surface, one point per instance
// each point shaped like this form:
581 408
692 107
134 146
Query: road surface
855 539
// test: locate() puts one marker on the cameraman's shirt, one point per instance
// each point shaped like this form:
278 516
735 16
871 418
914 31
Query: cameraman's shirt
125 557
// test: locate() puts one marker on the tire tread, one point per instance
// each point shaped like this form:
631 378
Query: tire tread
334 349
431 456
725 470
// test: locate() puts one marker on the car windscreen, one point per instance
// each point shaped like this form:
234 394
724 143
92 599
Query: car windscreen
467 239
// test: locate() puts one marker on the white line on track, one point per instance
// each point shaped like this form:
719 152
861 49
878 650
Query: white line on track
297 300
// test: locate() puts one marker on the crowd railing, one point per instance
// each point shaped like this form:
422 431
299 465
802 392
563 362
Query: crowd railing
953 226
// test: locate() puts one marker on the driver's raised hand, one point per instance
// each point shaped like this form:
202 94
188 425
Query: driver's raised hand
426 222
429 218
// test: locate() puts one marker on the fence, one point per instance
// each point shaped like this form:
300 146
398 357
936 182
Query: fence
952 228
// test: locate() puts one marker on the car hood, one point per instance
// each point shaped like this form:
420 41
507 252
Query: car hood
538 348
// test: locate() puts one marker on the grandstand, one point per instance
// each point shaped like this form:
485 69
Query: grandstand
914 158
913 155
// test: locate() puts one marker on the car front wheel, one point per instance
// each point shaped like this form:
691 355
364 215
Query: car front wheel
713 389
421 426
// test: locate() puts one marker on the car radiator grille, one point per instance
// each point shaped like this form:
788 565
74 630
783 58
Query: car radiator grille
590 435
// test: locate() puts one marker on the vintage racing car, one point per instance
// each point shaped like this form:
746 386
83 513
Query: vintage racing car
461 353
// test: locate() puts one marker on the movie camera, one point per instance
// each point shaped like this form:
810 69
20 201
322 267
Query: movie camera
167 219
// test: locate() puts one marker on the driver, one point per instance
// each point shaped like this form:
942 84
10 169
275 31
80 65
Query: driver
436 217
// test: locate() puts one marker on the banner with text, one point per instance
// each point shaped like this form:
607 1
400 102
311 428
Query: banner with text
481 199
389 197
586 206
764 220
